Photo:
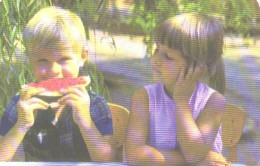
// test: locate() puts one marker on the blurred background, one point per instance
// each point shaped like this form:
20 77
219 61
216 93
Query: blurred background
120 45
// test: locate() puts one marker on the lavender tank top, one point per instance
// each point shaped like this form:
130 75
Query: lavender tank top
163 129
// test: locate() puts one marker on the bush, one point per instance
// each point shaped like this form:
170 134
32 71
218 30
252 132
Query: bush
14 66
140 17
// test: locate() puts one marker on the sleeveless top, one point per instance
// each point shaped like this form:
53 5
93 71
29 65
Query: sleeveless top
163 128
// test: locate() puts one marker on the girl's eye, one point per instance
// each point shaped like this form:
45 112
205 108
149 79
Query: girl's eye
64 59
42 61
167 56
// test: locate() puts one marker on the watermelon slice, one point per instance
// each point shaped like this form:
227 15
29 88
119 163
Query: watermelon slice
53 87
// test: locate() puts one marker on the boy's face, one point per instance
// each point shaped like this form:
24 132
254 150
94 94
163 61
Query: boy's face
51 62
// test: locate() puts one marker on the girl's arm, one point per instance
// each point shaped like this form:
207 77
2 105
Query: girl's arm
138 152
197 138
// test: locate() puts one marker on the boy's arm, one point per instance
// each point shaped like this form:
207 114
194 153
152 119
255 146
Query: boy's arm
10 143
137 150
19 155
10 140
23 107
101 148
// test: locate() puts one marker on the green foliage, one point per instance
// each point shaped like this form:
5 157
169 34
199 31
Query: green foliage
91 11
14 15
14 66
147 14
141 17
237 15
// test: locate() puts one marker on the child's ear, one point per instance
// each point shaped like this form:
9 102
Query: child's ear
84 57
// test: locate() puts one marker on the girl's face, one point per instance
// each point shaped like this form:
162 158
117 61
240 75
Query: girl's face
166 66
50 63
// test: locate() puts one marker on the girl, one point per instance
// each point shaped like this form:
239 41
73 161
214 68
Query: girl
178 119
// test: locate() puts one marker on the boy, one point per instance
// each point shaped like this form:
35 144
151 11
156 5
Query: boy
55 43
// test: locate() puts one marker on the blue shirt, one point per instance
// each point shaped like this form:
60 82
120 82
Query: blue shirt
67 132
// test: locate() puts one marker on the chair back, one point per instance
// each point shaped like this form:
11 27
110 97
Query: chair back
233 122
120 117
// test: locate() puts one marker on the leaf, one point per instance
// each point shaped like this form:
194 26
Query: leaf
14 33
6 5
22 79
50 2
31 2
18 2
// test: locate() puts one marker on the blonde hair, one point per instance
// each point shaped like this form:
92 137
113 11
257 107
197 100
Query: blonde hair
200 38
53 26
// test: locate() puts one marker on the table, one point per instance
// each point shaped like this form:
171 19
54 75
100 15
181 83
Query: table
60 164
71 163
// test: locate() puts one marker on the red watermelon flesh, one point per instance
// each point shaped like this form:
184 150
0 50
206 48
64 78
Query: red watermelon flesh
53 86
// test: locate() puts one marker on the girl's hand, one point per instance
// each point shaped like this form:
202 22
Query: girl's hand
214 159
185 84
77 97
28 105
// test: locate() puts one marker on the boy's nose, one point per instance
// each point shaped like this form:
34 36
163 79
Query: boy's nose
55 69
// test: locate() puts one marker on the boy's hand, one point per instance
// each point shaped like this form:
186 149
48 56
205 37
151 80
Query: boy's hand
77 97
185 84
28 105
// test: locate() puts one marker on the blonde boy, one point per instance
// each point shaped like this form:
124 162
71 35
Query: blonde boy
56 47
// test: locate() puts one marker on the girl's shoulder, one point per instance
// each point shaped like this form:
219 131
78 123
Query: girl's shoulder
204 88
153 90
140 94
216 102
140 102
205 92
145 91
153 86
205 96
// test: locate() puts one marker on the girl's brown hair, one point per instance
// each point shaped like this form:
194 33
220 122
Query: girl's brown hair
200 38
